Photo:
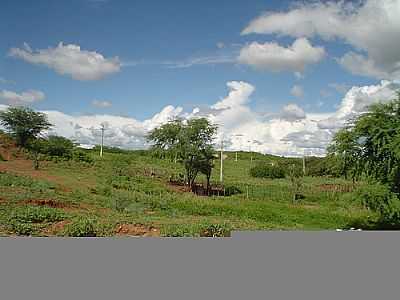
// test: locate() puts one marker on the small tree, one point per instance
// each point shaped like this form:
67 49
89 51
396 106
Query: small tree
58 146
188 142
24 124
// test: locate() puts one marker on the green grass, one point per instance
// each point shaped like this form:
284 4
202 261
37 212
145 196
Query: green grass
117 189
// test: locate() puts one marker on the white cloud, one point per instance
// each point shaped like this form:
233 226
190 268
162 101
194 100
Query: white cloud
358 64
297 91
101 103
239 94
70 60
292 113
370 26
357 100
24 98
291 132
274 57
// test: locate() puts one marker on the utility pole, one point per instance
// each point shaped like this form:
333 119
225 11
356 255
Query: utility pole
221 174
304 163
102 140
236 156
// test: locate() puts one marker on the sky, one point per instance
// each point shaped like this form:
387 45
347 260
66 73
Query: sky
277 77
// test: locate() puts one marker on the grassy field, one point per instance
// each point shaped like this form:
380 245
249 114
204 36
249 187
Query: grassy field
118 196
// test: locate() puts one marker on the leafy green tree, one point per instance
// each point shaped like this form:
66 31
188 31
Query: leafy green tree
371 145
24 124
166 139
189 142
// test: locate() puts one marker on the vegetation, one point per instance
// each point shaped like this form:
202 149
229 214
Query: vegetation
130 192
189 142
24 124
370 147
267 171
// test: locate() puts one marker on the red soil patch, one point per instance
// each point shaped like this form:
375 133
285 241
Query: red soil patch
178 187
49 203
137 230
25 167
55 228
65 206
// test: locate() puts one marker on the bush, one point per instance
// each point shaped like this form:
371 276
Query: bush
81 228
375 196
58 146
267 171
390 216
81 156
216 230
21 228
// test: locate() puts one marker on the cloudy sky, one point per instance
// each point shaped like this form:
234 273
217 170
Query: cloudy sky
277 76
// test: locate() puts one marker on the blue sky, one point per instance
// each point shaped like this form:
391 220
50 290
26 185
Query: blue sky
156 42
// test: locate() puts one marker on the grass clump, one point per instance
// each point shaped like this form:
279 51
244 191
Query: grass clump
36 214
82 227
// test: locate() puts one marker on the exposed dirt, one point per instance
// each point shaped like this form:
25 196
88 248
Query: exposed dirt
25 167
198 189
66 206
55 228
137 230
50 203
177 187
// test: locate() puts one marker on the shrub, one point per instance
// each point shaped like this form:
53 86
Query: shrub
216 230
81 228
267 171
81 156
390 215
58 146
21 228
375 196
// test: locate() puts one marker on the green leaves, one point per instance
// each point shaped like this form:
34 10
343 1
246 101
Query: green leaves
371 146
24 123
189 142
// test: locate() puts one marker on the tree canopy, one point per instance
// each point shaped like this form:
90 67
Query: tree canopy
190 142
370 146
24 124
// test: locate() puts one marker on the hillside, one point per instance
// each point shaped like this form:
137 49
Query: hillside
129 193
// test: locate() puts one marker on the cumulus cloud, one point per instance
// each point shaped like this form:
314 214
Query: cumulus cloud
291 132
70 60
357 100
101 103
292 113
239 94
24 98
297 91
273 57
370 26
